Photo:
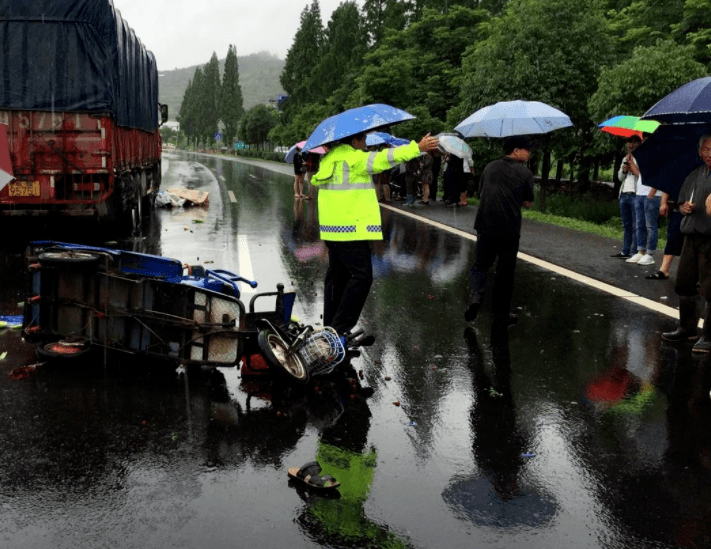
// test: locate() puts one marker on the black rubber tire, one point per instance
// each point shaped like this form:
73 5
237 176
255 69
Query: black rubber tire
273 348
65 258
46 351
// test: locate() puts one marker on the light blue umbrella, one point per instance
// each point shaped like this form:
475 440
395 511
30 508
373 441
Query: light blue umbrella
355 121
291 153
379 138
454 145
508 118
373 140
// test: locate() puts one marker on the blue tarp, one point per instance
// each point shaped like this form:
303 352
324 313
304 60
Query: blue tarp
76 55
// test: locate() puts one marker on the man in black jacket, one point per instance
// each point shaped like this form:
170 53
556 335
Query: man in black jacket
506 185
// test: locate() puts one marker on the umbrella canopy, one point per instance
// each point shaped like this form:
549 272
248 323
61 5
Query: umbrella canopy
373 140
508 118
627 126
454 145
291 153
669 155
691 103
387 139
474 499
355 121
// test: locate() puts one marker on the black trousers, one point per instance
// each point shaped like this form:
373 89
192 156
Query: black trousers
502 249
693 276
348 281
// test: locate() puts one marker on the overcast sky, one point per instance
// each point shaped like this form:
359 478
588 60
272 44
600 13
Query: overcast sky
183 33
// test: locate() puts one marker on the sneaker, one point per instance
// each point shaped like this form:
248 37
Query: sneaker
647 259
621 255
635 258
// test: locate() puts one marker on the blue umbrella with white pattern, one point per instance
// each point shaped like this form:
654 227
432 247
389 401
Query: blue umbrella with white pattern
355 121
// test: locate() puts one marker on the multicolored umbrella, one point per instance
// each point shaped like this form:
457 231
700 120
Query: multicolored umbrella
627 126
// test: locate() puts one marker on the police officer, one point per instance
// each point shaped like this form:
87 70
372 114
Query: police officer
349 218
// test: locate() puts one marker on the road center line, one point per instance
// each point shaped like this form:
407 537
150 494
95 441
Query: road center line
562 271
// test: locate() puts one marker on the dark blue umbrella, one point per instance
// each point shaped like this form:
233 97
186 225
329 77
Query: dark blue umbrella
688 104
668 155
353 122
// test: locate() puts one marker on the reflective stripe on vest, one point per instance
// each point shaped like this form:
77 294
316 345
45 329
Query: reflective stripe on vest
345 183
371 160
338 228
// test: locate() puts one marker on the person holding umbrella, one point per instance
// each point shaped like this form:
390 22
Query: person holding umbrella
506 186
695 262
348 210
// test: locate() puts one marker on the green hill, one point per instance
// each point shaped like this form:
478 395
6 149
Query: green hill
258 75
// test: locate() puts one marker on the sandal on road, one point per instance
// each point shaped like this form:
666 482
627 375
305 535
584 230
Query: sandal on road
310 475
659 275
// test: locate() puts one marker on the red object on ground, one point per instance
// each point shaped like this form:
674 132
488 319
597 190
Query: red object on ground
254 365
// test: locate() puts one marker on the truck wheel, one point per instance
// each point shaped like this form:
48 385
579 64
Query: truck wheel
280 362
67 258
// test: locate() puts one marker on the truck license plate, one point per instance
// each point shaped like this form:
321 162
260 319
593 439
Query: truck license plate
24 188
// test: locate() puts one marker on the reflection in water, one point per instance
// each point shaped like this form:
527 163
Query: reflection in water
343 453
498 495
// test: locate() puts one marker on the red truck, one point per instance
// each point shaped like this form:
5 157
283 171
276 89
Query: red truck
79 98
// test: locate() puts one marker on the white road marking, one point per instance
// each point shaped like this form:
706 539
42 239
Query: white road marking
245 264
602 286
233 199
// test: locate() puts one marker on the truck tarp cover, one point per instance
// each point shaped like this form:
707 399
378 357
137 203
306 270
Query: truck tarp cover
76 55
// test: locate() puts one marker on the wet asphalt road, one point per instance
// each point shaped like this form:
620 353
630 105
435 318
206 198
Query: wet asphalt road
577 428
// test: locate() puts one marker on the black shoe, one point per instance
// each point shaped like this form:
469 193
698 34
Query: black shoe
453 205
680 335
505 321
471 312
703 345
620 255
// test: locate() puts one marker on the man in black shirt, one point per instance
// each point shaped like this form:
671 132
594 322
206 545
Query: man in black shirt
506 185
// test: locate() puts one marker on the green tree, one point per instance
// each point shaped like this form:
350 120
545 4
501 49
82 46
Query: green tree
635 85
695 29
257 123
420 66
168 134
301 58
231 104
643 22
381 15
344 45
211 98
551 51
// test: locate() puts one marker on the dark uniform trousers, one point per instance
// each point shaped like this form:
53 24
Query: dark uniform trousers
348 280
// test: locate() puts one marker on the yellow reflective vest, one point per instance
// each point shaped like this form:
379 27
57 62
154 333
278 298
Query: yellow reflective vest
347 204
